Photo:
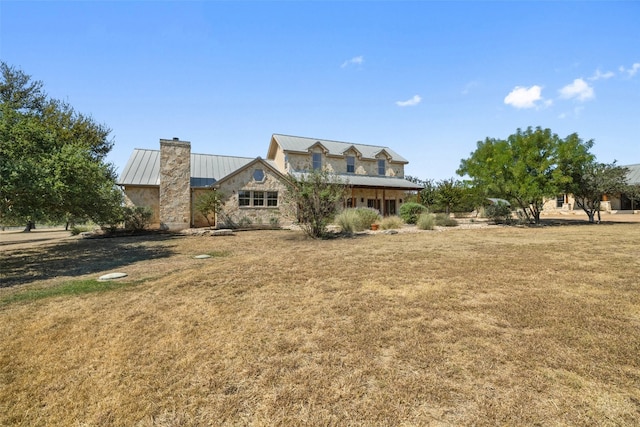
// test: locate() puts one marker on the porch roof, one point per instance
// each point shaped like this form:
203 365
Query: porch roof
388 182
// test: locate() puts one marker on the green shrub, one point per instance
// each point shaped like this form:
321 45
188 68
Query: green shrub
426 221
499 213
348 221
409 212
391 222
356 219
366 217
444 220
137 218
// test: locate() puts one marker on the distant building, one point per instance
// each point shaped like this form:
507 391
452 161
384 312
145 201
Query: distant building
612 203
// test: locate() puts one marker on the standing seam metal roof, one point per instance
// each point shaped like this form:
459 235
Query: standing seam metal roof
337 148
143 168
633 176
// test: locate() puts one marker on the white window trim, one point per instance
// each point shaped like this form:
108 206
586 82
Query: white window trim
265 199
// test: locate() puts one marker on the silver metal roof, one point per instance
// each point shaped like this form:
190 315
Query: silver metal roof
143 168
633 176
302 145
373 181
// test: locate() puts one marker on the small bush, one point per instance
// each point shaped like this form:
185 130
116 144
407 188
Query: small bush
409 212
137 218
444 220
245 221
77 229
499 213
366 217
391 222
358 219
348 221
426 221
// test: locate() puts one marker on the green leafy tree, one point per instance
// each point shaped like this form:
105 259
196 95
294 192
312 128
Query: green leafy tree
520 168
317 196
633 192
209 204
51 157
595 181
449 194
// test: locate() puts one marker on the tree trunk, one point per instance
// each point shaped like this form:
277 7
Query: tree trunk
30 226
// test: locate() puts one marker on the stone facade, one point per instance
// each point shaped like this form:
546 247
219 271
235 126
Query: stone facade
145 196
251 215
338 164
175 184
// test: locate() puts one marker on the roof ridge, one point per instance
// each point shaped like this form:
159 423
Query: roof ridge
332 140
200 154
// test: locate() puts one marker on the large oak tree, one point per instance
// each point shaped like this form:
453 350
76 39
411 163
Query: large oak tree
52 158
529 166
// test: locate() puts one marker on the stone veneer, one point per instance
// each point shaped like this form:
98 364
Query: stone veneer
175 184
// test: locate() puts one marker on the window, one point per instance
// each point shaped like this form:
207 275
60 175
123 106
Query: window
382 169
272 198
247 198
317 161
258 175
351 164
244 198
559 201
258 198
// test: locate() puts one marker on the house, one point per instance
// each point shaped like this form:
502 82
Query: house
375 174
171 179
612 203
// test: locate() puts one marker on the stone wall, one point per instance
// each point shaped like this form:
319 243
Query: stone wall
175 184
234 214
369 167
144 196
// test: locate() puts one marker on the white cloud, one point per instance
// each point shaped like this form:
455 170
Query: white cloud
579 89
630 72
599 75
523 97
356 60
415 100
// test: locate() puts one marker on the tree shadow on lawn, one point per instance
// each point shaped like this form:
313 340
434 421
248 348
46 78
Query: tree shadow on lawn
80 257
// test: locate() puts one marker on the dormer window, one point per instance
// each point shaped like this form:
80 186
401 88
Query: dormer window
351 164
382 167
316 161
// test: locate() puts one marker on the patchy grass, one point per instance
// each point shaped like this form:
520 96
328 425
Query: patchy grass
218 254
496 326
75 287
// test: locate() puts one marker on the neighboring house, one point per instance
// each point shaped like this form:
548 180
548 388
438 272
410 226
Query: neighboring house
614 203
170 180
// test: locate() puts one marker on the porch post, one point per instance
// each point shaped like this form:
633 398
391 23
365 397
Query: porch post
384 201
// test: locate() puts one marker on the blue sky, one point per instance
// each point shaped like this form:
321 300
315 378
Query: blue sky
428 79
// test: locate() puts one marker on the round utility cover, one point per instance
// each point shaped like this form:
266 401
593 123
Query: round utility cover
112 276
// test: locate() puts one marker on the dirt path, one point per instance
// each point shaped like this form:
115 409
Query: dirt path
15 239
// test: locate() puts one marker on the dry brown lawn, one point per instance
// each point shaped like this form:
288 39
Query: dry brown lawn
495 326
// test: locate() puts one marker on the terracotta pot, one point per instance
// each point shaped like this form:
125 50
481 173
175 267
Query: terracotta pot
374 227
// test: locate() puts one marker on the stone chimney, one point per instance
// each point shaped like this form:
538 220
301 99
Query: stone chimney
175 184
